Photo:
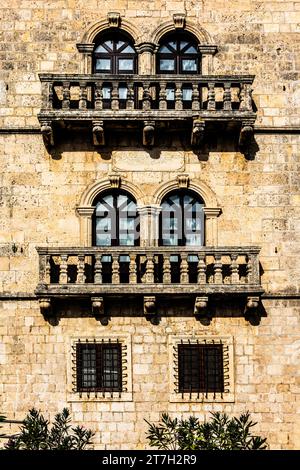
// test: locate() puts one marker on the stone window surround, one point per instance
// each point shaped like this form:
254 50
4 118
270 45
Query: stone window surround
147 47
227 396
73 395
148 208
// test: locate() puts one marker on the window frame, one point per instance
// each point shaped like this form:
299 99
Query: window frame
114 54
178 55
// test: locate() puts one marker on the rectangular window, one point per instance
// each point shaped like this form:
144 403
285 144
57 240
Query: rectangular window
99 367
200 368
167 65
103 65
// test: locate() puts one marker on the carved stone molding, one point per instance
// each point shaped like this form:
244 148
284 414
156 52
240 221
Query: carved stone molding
208 49
115 180
145 47
197 132
85 48
148 133
251 307
183 181
98 133
200 308
46 307
47 133
179 20
114 19
149 306
97 306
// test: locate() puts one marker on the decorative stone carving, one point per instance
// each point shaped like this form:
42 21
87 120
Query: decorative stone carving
148 133
98 133
251 308
97 306
200 308
149 306
115 180
114 19
197 132
46 307
183 181
179 20
47 133
246 135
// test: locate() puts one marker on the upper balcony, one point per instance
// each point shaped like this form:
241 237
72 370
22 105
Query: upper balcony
149 102
99 272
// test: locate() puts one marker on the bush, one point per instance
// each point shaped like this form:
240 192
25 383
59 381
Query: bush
221 433
35 434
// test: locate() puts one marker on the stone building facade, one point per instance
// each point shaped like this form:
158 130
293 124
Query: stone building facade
76 127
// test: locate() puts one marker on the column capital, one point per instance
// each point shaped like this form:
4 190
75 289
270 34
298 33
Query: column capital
212 212
145 47
85 48
208 49
85 211
153 209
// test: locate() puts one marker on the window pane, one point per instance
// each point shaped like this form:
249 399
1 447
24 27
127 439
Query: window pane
125 64
119 44
191 50
189 65
164 49
109 44
172 44
167 64
88 371
183 44
128 49
101 49
103 64
111 368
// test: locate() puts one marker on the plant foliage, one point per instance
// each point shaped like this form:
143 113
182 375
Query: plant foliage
220 433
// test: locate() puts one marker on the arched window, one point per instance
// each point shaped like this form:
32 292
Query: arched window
178 54
114 54
182 219
116 221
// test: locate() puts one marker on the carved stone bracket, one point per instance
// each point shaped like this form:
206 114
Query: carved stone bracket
183 181
97 306
179 20
115 180
149 306
46 307
148 133
98 133
114 19
251 307
197 132
200 308
47 133
246 136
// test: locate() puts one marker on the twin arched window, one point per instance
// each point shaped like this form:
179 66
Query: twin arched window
116 220
115 54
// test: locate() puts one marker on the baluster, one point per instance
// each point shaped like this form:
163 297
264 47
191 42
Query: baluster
66 95
163 96
227 97
130 96
211 96
80 270
252 270
47 95
246 97
146 96
166 269
83 95
63 269
178 96
98 269
184 270
195 97
47 270
218 275
115 270
132 269
201 269
149 277
98 95
234 269
115 96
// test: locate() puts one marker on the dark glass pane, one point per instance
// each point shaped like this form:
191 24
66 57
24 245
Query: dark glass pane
125 64
165 49
167 65
103 64
111 367
189 65
191 50
128 50
101 49
119 44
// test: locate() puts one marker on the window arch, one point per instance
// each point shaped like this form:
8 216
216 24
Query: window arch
115 219
182 219
178 54
114 54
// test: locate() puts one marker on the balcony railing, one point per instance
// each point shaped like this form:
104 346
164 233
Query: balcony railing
106 98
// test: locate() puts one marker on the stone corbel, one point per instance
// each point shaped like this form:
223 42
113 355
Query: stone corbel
115 180
179 20
46 307
148 133
47 133
200 308
251 307
114 19
98 133
149 306
197 132
97 307
246 136
183 181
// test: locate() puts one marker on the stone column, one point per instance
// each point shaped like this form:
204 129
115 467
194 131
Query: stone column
87 51
207 53
149 225
145 51
211 225
85 216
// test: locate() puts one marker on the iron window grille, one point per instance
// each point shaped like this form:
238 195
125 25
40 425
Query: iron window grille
202 368
99 367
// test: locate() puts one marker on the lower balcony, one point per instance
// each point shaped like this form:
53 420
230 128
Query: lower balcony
98 273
